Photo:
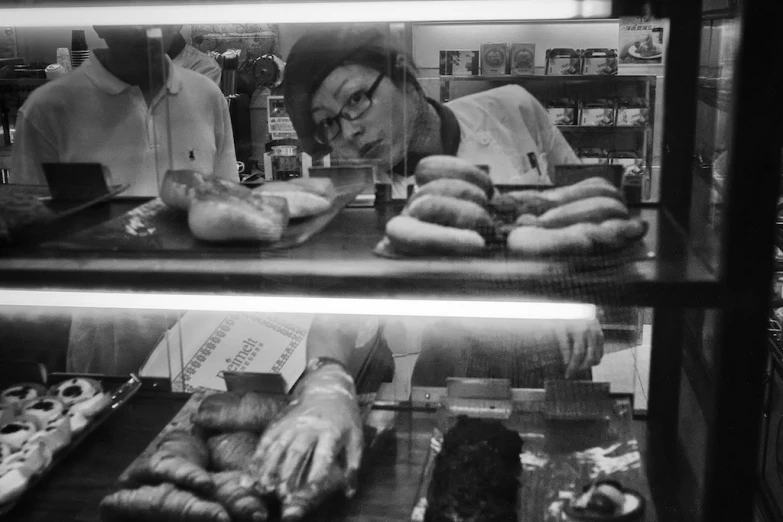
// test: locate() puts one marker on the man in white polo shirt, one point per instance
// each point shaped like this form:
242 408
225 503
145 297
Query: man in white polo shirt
112 110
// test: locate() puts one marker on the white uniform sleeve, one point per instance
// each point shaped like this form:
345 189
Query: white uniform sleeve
209 68
225 155
31 148
554 145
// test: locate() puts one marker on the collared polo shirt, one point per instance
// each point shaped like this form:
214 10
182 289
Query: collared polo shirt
90 115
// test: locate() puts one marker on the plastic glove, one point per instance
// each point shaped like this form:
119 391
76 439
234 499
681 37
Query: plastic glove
321 429
581 344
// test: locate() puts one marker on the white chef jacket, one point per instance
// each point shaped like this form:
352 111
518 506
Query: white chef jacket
500 128
92 116
193 59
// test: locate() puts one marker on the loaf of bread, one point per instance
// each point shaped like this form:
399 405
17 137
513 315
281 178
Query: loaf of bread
437 167
305 199
452 212
590 210
408 235
577 239
221 216
453 188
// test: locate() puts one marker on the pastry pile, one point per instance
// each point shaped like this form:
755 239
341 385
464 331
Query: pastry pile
457 211
209 473
220 210
36 423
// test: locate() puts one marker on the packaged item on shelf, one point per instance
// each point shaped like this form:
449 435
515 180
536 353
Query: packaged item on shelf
633 181
562 111
459 63
494 58
594 156
563 61
625 158
523 58
632 112
598 113
599 61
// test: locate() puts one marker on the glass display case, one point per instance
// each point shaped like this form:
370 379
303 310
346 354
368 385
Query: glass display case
609 351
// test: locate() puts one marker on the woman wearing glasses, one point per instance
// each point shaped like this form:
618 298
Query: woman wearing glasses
350 93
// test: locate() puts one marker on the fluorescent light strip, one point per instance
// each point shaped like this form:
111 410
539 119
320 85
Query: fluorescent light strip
309 305
316 12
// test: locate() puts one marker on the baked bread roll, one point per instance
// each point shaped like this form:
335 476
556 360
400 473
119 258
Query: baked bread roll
230 411
55 435
408 235
436 167
44 409
13 483
301 201
177 187
221 216
590 210
22 393
75 390
579 239
451 212
453 188
16 432
238 493
511 205
161 503
233 450
588 188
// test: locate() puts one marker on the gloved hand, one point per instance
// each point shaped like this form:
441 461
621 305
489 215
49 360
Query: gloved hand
581 344
318 436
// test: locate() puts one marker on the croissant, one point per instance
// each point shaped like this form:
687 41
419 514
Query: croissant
297 504
161 503
237 493
230 411
232 451
180 458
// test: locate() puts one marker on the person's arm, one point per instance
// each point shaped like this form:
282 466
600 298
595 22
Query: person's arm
31 148
225 156
333 336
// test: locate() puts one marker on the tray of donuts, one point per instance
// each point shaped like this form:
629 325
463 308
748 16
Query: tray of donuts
41 423
456 211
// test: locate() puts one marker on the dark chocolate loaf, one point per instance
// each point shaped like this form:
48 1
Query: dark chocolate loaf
476 475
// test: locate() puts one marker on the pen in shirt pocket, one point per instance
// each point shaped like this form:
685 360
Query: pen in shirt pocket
531 157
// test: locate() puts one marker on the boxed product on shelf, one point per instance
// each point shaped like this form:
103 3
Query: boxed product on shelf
563 61
599 61
625 158
494 59
598 113
459 63
632 112
593 156
562 111
522 58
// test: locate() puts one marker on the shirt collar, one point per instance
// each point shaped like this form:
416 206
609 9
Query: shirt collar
449 137
110 84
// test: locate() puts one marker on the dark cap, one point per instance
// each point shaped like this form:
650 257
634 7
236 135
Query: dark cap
316 54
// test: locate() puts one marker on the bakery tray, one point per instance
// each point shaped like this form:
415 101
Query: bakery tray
156 226
119 396
557 459
25 210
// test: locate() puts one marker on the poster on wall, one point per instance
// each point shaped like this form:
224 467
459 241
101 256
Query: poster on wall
7 42
642 40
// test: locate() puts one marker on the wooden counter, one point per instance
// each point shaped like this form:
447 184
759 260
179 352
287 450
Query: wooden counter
339 262
387 491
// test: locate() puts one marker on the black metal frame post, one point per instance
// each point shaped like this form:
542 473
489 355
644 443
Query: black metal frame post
679 124
752 192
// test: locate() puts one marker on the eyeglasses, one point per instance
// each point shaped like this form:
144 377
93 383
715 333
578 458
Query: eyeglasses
356 107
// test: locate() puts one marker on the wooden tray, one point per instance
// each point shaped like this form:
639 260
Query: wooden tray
552 470
156 226
119 396
25 209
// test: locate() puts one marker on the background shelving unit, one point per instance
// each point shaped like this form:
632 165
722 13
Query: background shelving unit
580 88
